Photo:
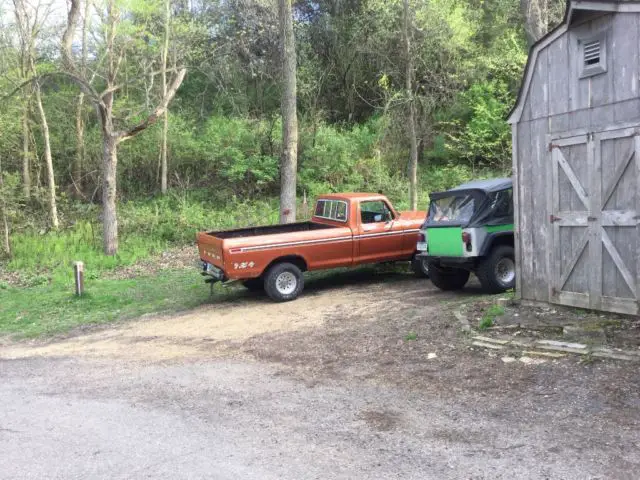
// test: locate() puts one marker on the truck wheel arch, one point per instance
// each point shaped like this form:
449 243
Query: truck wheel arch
297 260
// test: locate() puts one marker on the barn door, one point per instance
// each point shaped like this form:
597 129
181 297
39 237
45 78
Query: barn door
595 203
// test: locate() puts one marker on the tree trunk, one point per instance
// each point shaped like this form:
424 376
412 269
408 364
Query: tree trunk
536 19
6 244
165 125
289 159
411 120
51 181
79 158
109 213
26 167
78 166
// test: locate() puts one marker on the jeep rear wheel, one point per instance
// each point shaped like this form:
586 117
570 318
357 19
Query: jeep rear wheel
446 278
497 272
284 282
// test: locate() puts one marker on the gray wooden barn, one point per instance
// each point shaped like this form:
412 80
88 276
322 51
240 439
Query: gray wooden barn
576 161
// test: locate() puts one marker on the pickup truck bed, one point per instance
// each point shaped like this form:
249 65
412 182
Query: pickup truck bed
270 230
346 230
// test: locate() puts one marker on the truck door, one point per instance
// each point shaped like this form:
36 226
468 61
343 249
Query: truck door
379 234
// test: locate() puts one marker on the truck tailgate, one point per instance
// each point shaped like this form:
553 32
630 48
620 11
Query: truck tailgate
210 248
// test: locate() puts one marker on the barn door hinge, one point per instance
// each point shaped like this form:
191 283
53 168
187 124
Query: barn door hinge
553 145
553 218
554 291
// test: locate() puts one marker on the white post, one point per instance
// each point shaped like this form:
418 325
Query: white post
78 270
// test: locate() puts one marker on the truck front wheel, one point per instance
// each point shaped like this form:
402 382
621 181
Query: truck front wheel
448 278
497 272
284 282
420 267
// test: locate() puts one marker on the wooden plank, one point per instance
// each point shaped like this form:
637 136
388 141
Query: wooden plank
559 123
526 227
574 260
615 256
626 111
554 250
539 88
624 56
619 305
575 183
573 299
551 208
566 142
579 96
619 218
617 131
632 125
540 215
601 86
594 164
600 117
637 155
608 155
516 208
558 75
573 219
622 167
516 115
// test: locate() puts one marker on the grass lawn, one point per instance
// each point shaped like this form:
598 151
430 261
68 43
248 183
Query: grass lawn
47 310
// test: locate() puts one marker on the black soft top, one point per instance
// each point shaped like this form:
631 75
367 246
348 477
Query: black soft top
489 207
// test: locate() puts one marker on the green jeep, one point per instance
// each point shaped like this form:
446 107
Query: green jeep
470 229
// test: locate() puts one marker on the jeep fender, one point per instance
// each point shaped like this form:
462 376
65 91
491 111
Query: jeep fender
494 239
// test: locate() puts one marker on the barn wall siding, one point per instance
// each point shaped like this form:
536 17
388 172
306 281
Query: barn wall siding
557 104
556 87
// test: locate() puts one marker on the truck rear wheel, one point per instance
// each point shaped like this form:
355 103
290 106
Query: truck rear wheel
446 278
284 282
420 267
254 284
497 272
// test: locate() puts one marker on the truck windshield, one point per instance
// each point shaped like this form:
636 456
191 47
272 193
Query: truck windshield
452 209
332 210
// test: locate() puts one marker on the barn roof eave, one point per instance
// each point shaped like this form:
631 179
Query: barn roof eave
572 5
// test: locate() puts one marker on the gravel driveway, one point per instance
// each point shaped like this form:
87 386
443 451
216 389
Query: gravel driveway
338 384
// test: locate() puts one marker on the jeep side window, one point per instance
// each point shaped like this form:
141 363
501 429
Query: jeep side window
375 212
502 203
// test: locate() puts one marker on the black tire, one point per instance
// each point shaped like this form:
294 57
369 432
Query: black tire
446 278
284 282
497 272
254 284
420 267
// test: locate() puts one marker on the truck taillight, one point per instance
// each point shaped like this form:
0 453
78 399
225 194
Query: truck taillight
421 237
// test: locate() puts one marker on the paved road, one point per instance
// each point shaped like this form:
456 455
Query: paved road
329 389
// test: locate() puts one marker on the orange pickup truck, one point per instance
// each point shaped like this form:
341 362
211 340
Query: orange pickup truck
346 230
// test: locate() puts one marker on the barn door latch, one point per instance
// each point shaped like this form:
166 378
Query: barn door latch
553 218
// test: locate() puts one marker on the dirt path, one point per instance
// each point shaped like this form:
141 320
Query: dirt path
365 376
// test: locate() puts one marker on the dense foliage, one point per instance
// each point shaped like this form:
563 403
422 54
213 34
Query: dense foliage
224 138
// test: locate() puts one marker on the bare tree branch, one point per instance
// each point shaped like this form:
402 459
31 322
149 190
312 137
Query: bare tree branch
159 110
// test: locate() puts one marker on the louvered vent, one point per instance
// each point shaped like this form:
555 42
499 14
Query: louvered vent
592 53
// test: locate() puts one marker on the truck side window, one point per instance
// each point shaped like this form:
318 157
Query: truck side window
375 212
331 210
